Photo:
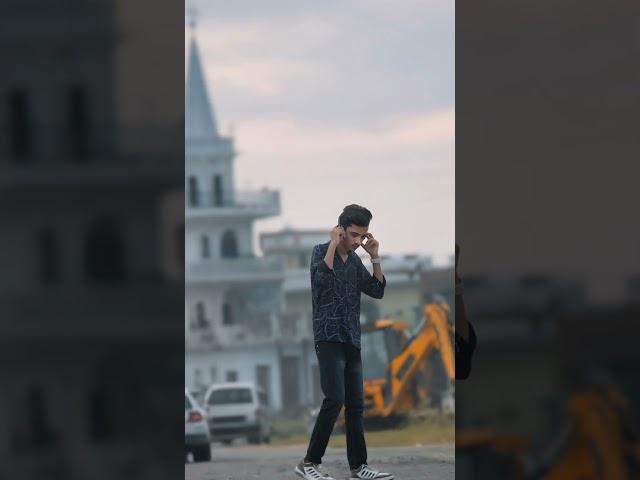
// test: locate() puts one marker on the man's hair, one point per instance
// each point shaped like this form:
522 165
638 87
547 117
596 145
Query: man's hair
354 215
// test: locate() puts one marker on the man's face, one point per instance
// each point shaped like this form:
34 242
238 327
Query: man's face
354 237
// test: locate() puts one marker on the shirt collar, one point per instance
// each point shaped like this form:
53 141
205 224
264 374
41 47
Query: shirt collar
350 253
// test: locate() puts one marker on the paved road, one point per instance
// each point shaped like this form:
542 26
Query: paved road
433 462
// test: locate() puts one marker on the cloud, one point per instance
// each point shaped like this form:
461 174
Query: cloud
263 77
410 156
289 137
338 102
345 45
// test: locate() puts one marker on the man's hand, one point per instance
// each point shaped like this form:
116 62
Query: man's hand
371 247
337 234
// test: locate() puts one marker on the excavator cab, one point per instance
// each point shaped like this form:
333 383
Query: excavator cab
381 341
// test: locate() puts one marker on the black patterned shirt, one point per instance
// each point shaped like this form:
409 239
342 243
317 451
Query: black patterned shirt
335 296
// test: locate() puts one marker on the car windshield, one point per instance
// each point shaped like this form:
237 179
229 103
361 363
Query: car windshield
229 396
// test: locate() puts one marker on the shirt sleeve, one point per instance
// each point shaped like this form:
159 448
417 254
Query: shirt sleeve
321 275
369 284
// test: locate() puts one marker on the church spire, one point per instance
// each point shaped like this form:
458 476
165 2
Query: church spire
199 118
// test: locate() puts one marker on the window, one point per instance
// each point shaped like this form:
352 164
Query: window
40 434
200 312
101 421
201 316
229 247
290 374
78 122
227 314
104 252
228 396
180 243
49 263
19 123
232 376
213 375
197 378
194 194
205 247
263 379
218 199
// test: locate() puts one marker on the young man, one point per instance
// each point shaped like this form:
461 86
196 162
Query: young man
337 279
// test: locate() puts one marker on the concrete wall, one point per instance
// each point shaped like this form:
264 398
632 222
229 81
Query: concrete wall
215 229
243 361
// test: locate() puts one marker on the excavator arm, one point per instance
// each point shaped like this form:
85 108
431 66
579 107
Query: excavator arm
432 334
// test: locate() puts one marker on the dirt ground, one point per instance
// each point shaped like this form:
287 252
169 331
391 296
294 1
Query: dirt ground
432 462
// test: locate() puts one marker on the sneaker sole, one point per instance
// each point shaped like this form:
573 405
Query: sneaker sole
301 474
390 477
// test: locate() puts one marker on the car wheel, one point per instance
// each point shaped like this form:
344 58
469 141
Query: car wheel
254 440
202 454
226 441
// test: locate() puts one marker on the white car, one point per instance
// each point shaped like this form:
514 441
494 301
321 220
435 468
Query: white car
196 431
238 410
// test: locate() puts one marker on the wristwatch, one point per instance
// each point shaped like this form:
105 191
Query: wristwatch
375 260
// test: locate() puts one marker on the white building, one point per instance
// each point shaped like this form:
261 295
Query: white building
234 327
403 298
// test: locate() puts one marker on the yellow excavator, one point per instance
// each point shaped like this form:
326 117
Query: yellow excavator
394 359
599 442
395 366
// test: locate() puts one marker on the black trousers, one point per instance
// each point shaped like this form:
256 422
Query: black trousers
341 381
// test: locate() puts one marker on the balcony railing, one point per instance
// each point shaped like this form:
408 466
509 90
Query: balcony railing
297 280
256 330
131 309
234 269
295 326
198 339
262 202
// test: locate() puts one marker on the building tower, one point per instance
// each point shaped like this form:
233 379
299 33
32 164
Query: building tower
233 298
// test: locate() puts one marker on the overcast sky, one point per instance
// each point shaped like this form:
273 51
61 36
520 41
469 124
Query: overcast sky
340 102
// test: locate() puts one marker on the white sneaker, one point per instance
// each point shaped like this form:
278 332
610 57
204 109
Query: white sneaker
367 473
311 471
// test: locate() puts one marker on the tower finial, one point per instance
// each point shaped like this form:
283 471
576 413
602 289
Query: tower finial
193 17
200 121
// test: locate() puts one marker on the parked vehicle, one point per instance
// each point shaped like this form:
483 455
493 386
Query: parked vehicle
196 431
238 410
